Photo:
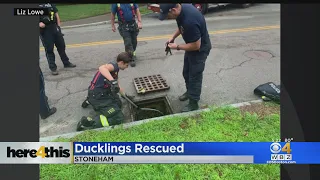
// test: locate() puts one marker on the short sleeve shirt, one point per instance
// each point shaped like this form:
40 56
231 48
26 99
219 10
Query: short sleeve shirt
51 18
126 9
192 26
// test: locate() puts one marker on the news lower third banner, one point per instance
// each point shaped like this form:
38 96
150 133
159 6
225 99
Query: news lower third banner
159 152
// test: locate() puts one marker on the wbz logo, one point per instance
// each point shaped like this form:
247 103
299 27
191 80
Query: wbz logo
283 157
276 148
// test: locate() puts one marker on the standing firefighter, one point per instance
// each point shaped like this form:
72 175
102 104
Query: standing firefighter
192 26
50 35
128 27
102 95
45 110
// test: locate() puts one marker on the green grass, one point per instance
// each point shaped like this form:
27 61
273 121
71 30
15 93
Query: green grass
81 11
259 123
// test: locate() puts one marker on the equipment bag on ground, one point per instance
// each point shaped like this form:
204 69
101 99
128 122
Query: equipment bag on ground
268 92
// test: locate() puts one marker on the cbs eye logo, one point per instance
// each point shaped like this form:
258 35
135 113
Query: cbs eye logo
277 148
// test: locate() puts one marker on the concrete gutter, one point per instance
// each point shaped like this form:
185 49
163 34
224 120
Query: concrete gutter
136 123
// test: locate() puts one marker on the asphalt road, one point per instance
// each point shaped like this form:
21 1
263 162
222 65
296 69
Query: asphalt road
246 53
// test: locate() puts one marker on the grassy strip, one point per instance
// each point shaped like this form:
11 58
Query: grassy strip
259 122
81 11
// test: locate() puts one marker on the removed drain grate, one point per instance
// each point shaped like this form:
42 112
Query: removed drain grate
150 84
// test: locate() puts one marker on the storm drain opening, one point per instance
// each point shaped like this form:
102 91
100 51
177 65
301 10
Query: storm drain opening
160 103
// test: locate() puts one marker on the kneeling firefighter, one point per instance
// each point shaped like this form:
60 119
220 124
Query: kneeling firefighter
103 95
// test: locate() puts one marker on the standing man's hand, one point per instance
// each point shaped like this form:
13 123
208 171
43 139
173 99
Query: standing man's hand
172 45
59 30
113 27
42 25
139 25
171 40
138 17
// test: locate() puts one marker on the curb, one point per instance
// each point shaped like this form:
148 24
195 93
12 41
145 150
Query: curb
85 25
94 24
131 124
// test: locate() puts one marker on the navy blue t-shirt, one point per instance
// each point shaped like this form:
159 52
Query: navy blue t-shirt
99 81
193 27
51 18
126 9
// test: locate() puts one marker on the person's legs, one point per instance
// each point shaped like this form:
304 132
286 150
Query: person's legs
134 39
108 114
185 74
197 65
125 33
45 110
47 39
61 48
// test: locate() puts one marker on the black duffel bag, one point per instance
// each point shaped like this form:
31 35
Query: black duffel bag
268 92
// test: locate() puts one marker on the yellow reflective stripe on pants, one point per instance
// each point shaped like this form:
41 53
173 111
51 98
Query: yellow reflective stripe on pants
104 121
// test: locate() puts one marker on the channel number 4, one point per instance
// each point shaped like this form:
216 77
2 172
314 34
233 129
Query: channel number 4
41 152
286 148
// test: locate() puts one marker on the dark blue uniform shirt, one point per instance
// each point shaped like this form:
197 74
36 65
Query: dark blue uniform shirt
193 27
99 81
126 9
51 18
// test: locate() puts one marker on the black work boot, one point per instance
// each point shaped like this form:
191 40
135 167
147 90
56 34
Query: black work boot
54 72
84 124
51 111
134 59
133 62
184 97
85 104
70 65
192 106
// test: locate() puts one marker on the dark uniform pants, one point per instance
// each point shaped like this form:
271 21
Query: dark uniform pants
44 106
108 108
194 64
129 32
50 36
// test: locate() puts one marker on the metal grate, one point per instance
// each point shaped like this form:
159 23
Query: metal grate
150 84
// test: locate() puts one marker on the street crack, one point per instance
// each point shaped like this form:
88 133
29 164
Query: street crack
227 69
68 94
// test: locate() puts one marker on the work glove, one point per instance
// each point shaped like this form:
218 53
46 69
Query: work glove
114 87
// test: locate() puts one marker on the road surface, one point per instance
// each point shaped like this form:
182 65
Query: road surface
245 54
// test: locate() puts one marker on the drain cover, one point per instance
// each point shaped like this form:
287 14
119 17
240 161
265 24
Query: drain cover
150 84
258 54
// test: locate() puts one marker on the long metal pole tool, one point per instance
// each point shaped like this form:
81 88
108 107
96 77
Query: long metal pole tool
142 109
